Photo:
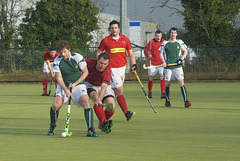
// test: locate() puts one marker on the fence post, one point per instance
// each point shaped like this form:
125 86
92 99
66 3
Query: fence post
32 61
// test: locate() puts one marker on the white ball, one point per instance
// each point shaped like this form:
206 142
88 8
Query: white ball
64 134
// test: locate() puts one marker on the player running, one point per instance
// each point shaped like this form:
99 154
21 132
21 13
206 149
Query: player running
100 91
171 52
48 58
116 45
71 71
152 52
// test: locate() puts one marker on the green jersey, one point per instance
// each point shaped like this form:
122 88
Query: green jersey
70 69
172 51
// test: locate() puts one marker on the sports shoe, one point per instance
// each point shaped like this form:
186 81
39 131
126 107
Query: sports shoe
149 94
163 95
51 130
130 115
187 104
45 94
106 128
168 104
91 132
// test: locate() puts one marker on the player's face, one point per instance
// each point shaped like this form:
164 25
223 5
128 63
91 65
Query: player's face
52 53
158 37
115 29
173 34
65 53
102 64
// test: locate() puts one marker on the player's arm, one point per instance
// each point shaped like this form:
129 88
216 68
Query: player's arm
50 68
185 52
147 48
102 93
162 58
132 60
82 77
62 84
99 52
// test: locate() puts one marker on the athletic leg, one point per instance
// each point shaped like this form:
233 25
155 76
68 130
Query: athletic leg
54 112
150 85
44 84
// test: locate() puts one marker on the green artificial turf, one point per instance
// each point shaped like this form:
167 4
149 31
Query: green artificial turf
207 131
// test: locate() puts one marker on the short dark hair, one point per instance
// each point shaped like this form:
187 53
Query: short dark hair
113 22
104 55
158 32
62 44
174 29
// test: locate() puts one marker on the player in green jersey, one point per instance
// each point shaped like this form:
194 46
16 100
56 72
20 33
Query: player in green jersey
171 52
71 71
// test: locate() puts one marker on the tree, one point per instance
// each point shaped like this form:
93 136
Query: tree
209 22
9 14
53 20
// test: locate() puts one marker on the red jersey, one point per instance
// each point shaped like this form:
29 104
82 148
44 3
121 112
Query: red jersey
46 56
116 50
154 46
95 77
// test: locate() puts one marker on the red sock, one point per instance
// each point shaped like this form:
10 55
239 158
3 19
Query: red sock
44 84
150 84
108 114
56 83
162 84
100 114
122 103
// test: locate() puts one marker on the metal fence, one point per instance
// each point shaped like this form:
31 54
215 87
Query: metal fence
210 60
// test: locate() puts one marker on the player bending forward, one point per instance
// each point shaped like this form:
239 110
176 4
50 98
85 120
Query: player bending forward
171 51
100 91
71 71
48 58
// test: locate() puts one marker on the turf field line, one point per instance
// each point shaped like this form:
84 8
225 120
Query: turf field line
17 108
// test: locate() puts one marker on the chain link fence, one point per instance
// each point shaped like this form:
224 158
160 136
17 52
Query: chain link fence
209 60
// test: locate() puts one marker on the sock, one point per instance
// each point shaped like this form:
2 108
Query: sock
167 93
44 84
162 84
108 114
184 93
100 114
53 116
122 103
150 85
89 117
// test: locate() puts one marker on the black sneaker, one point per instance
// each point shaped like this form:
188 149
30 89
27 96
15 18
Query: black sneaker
45 94
149 94
91 132
51 130
163 95
168 104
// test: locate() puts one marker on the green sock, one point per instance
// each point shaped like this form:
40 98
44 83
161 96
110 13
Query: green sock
167 92
89 117
184 93
53 116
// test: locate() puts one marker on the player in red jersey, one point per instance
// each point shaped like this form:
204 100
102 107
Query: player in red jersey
100 91
116 45
48 58
153 53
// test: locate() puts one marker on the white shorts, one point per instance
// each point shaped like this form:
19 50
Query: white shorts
77 92
154 71
108 92
117 77
45 67
172 74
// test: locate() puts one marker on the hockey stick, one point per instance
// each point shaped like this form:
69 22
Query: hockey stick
151 66
68 116
139 81
106 105
50 87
